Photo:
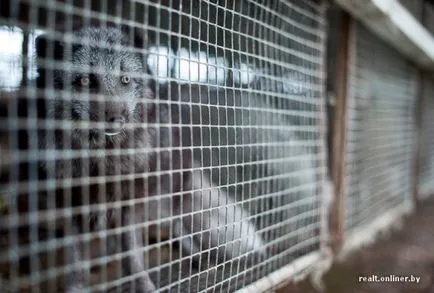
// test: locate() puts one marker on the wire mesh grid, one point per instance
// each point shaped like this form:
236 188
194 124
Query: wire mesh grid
426 183
158 145
382 92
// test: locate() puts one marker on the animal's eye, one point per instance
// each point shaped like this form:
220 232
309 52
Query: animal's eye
84 81
125 79
89 82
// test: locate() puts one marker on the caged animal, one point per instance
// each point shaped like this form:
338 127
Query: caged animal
99 97
90 82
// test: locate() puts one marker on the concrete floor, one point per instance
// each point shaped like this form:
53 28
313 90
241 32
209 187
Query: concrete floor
409 251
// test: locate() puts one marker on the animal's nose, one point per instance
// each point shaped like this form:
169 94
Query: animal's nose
116 120
116 123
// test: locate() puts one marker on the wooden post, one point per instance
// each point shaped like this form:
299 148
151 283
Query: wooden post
420 134
340 122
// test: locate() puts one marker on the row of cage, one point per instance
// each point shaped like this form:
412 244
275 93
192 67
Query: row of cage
199 146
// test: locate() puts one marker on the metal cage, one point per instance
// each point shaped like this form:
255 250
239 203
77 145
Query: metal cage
381 135
171 145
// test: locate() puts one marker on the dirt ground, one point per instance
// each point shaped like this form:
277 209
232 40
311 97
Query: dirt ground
408 251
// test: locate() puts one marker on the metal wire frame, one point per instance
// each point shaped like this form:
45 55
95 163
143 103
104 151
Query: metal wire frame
382 92
282 37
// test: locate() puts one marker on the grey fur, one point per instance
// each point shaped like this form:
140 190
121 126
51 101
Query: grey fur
134 103
96 57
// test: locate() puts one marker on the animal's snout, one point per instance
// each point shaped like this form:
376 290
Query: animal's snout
115 119
115 125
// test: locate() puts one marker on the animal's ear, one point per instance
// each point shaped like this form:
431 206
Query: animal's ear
140 38
136 36
47 48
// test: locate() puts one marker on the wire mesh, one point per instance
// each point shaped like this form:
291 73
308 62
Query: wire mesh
426 182
382 92
159 145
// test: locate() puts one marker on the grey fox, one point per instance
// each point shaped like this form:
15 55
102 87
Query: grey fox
97 96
